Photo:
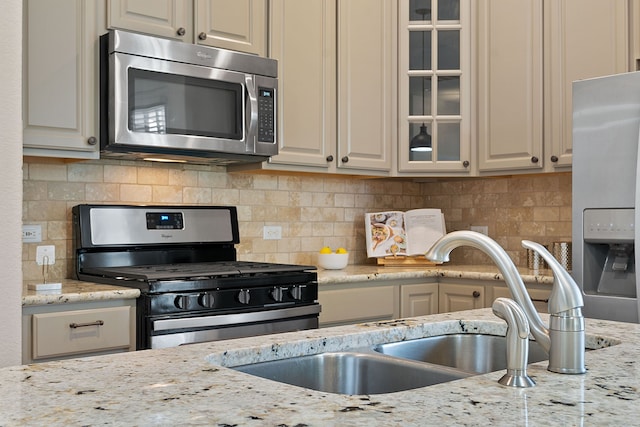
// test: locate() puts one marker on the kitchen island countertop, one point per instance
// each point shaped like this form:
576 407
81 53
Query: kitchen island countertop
190 385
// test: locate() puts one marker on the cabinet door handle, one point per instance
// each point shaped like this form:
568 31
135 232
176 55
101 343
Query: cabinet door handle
465 163
329 158
534 159
92 140
202 36
82 325
476 294
554 159
345 159
181 31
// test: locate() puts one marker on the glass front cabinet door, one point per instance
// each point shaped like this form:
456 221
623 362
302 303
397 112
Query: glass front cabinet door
434 86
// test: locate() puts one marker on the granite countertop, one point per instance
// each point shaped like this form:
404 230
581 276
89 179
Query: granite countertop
79 291
191 386
359 273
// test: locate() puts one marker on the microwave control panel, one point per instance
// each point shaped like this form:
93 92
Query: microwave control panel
266 115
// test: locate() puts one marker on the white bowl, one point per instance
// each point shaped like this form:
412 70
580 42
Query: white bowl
333 261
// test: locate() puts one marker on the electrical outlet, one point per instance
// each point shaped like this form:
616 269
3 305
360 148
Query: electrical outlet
46 255
32 233
272 232
484 229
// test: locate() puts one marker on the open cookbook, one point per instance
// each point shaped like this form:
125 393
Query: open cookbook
403 233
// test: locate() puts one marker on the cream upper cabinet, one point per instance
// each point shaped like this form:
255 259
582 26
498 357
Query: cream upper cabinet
230 24
434 81
528 54
337 92
60 81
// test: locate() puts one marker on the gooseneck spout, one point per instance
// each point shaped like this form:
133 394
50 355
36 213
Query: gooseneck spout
567 323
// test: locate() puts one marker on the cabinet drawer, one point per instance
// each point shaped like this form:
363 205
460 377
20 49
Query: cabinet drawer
80 331
357 305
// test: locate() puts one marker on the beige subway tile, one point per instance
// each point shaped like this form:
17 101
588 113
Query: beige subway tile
322 199
97 192
47 172
323 229
153 176
344 200
264 182
196 195
136 193
166 194
212 179
120 174
34 190
225 197
82 172
46 211
185 178
288 214
276 198
289 244
289 183
542 214
65 191
264 213
252 197
333 185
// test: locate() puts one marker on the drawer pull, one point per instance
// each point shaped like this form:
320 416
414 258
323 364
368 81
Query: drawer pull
82 325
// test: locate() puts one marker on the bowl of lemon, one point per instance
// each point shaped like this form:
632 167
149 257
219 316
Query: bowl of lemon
330 260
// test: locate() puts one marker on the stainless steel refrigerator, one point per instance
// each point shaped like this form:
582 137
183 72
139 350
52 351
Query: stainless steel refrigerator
606 191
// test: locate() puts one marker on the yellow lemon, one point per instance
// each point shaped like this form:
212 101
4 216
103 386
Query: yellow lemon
341 251
325 250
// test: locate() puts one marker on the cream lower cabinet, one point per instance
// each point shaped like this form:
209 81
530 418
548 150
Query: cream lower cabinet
356 303
419 299
539 295
458 297
80 329
230 24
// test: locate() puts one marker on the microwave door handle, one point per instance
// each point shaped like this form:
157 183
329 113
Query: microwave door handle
252 122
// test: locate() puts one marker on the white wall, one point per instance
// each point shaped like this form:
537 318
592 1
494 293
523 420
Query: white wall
11 181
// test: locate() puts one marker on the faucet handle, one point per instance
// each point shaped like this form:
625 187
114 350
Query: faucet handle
566 294
517 343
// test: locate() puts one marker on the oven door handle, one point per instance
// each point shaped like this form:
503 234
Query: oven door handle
235 319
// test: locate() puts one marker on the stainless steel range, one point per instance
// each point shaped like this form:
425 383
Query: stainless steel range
183 260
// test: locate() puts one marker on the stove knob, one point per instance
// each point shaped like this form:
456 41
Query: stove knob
277 293
206 300
181 302
243 296
296 292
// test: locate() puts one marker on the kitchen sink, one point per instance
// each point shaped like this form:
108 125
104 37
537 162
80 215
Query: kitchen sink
352 372
475 353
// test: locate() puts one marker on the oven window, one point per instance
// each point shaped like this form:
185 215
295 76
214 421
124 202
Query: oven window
183 105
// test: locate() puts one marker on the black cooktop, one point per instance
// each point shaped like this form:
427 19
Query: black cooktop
195 271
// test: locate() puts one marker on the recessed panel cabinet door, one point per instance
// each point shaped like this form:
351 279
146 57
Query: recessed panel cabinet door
232 24
510 84
367 60
303 40
583 39
165 18
60 99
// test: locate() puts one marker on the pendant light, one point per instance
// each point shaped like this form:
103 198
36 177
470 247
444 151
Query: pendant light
422 141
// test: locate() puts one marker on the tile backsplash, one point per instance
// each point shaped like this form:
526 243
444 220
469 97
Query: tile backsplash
313 210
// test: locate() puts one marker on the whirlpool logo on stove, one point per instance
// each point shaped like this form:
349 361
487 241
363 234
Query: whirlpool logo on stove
166 236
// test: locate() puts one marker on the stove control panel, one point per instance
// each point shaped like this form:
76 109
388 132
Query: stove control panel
165 221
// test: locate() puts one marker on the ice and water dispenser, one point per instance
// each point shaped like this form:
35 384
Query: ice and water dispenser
608 267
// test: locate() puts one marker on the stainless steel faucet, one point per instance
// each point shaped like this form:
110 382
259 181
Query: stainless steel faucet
564 339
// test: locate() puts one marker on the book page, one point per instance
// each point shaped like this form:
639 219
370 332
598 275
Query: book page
424 227
385 234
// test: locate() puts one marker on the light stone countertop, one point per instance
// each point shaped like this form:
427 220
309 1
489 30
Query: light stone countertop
78 291
362 273
191 386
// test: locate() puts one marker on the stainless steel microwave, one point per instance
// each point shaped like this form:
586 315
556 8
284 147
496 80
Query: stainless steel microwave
166 100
